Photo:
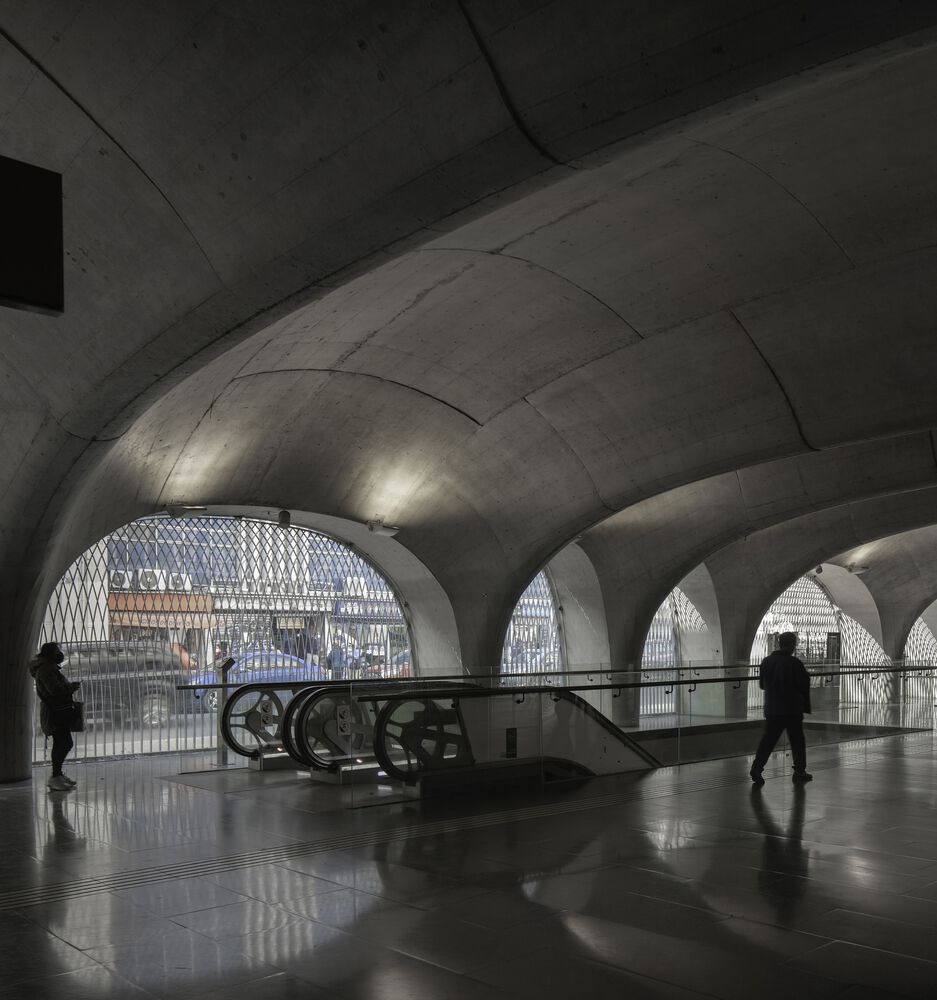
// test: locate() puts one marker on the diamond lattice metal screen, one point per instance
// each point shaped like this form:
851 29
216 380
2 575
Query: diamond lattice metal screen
162 602
532 646
662 655
807 609
920 650
921 646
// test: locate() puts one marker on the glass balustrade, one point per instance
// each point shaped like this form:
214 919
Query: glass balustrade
437 736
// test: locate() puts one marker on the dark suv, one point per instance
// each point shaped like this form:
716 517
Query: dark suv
127 683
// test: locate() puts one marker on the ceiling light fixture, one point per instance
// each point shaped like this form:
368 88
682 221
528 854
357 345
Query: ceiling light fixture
378 527
184 510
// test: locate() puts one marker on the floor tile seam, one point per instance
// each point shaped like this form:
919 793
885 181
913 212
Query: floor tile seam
824 938
294 918
676 902
902 956
652 979
810 843
625 970
879 916
27 981
425 960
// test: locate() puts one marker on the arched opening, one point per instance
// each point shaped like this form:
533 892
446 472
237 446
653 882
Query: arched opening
533 643
164 601
920 650
826 635
675 619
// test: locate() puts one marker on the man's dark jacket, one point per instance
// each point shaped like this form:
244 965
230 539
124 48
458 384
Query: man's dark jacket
786 684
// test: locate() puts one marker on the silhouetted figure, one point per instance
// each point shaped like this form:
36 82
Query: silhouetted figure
55 712
786 684
782 853
337 661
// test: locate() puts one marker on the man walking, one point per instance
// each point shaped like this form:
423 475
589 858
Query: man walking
786 684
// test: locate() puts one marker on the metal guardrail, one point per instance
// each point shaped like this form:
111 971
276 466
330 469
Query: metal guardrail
269 716
736 680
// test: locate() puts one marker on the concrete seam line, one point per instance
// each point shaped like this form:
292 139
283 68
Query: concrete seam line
505 94
785 189
777 378
100 127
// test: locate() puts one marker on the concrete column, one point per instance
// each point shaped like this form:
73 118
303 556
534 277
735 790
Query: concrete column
582 609
16 695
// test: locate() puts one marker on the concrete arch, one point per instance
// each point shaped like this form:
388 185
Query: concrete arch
579 596
929 616
749 573
703 647
426 607
642 552
405 303
851 595
428 611
902 577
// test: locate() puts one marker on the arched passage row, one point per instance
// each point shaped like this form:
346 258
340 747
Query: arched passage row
163 601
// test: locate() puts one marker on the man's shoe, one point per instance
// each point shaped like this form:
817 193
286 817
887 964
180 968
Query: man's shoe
69 781
58 784
755 775
801 777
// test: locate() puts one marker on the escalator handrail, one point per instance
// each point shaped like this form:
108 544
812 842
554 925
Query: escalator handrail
566 694
302 702
231 701
625 738
308 705
291 714
310 757
296 688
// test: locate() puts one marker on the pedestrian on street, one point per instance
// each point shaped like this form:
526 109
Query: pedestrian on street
337 661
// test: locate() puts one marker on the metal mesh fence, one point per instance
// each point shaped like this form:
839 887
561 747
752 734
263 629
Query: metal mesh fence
826 635
663 655
921 646
164 601
532 645
921 650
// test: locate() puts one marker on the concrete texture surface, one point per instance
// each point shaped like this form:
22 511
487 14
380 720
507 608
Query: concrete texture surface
661 279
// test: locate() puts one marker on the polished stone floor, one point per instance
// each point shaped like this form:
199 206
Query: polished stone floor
682 883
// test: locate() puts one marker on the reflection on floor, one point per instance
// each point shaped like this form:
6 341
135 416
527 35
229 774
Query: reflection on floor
912 714
681 883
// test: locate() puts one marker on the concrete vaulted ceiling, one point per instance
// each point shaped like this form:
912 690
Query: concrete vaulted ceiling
406 261
749 574
645 550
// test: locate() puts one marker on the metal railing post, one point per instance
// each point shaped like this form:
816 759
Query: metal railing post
221 749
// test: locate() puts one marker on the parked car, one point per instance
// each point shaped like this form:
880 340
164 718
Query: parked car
254 666
126 683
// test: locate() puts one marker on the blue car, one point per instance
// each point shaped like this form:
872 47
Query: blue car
255 666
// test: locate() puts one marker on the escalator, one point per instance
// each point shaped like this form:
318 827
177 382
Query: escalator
324 725
489 735
438 734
